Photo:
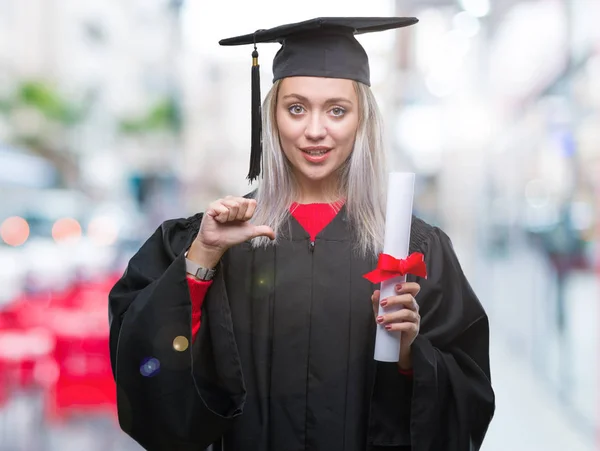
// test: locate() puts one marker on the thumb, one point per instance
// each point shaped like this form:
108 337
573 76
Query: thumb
263 230
375 297
375 302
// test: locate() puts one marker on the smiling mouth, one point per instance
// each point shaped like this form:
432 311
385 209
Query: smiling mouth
316 152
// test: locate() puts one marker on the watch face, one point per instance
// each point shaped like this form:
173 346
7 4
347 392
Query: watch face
205 274
198 271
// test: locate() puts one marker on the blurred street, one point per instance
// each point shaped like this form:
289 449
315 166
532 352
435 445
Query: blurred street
527 417
546 394
533 411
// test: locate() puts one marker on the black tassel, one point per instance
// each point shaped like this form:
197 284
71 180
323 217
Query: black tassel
256 149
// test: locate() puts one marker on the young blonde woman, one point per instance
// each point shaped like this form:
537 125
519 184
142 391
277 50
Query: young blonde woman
251 327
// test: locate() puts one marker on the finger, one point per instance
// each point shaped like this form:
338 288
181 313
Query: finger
403 327
402 300
212 209
222 213
263 230
408 287
233 207
250 209
401 316
375 296
239 200
245 205
242 210
375 302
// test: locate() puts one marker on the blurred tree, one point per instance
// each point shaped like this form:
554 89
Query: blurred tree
49 102
42 119
154 184
163 116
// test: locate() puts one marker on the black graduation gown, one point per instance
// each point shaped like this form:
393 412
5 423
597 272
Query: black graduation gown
283 360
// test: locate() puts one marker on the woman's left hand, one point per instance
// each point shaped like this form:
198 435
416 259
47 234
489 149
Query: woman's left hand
407 319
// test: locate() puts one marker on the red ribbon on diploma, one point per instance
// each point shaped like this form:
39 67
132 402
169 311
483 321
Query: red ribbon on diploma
389 267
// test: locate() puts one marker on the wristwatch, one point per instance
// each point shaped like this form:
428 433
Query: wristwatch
199 272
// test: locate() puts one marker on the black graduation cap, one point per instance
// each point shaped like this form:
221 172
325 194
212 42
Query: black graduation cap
321 47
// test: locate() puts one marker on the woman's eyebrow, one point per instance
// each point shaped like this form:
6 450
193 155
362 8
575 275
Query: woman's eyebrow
304 99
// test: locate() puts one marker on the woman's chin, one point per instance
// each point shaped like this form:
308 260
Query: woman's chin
317 174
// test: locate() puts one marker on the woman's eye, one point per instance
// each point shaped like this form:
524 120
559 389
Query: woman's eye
337 111
296 109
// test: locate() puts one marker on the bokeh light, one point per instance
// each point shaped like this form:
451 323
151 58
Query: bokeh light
537 193
477 8
14 231
66 229
46 372
103 231
150 367
466 24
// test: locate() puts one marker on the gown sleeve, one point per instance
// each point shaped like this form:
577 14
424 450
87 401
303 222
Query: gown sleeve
450 400
172 397
453 401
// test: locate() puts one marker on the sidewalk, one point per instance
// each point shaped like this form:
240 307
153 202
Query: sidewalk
527 418
531 366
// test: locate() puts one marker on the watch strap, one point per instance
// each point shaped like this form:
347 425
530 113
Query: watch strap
198 271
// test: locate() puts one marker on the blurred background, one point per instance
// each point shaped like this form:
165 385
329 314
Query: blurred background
116 115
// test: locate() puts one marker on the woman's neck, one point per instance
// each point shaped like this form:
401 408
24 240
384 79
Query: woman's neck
322 192
317 198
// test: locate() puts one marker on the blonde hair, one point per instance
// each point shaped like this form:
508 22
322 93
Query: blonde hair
361 179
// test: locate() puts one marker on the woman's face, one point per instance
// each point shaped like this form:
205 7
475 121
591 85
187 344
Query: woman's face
317 120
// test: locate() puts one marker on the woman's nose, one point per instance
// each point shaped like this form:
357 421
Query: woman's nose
315 128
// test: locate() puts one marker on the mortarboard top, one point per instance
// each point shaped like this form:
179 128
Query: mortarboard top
321 47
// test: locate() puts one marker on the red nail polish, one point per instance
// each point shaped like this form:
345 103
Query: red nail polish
380 319
383 303
399 286
388 327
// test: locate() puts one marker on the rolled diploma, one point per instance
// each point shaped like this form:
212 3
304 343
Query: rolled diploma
400 193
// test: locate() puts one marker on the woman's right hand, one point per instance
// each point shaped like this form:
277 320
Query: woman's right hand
226 223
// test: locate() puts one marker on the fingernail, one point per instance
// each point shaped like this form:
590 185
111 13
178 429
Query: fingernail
384 303
388 327
380 319
398 287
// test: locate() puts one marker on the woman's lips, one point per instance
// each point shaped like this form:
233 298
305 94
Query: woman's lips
316 154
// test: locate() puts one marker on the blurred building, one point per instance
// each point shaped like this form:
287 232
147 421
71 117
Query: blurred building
117 65
500 122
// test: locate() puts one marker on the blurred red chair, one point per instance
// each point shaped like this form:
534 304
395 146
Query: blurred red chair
84 383
20 351
60 342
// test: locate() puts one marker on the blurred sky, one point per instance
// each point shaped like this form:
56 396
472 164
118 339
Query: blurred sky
205 23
